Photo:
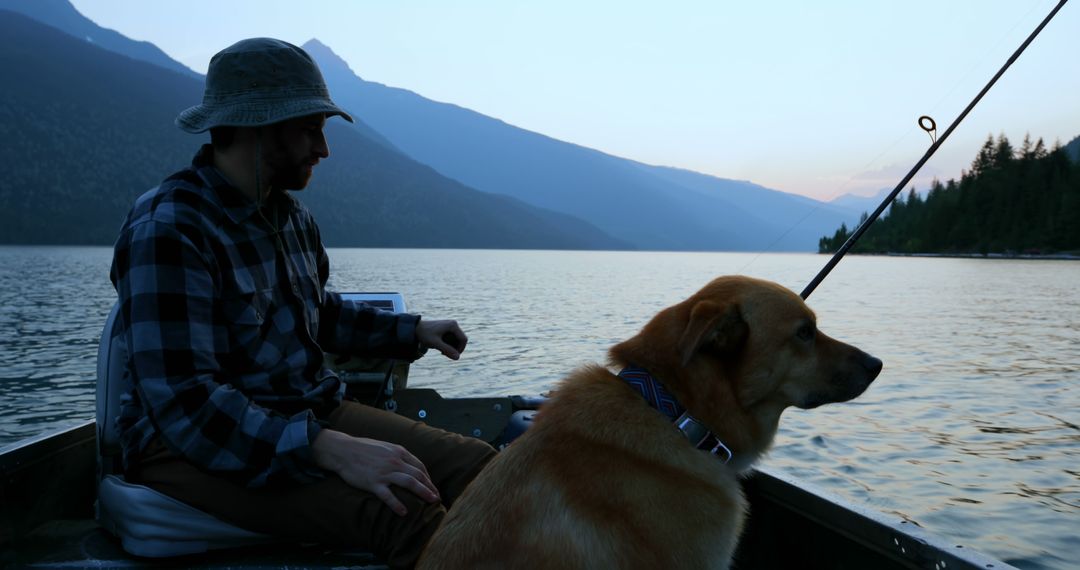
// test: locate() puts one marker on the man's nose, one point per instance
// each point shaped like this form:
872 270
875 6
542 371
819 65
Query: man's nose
322 150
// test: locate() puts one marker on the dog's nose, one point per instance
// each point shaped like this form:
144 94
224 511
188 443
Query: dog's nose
871 364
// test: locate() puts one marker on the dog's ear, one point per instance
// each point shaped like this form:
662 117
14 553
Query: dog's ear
712 324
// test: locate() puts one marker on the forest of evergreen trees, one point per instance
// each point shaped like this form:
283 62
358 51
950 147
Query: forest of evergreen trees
1012 201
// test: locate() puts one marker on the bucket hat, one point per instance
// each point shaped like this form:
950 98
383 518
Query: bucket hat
256 82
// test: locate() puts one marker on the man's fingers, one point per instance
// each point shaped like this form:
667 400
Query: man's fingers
444 336
428 491
411 475
414 461
452 343
414 486
373 466
384 494
448 351
455 338
410 484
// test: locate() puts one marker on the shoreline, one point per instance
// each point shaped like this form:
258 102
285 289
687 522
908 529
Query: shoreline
1051 256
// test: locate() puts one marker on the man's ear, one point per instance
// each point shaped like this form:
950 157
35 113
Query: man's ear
719 325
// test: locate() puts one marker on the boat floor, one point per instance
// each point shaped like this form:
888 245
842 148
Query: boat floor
82 543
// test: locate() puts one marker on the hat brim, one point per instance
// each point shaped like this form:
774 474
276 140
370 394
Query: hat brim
201 118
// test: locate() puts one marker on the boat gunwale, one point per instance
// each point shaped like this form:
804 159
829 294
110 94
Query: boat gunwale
900 540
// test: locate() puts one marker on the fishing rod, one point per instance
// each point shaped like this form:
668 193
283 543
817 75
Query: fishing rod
928 125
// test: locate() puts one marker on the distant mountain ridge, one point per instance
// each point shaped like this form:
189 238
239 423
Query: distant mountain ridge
62 15
74 159
652 207
861 203
1073 149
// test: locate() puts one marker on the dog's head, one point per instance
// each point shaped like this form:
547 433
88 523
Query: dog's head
752 341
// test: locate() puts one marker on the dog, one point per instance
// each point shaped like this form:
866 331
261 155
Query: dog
603 479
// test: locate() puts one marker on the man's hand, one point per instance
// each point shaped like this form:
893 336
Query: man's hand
444 336
371 465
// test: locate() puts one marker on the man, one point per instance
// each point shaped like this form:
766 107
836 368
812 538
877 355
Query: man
220 275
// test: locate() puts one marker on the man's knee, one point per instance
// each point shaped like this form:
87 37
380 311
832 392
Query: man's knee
401 538
473 455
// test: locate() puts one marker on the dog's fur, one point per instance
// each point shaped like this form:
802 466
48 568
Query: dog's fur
601 480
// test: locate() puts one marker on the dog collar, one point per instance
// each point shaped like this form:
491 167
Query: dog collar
701 437
653 391
664 402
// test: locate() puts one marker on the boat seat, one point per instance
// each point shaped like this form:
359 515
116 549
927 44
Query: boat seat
152 524
148 523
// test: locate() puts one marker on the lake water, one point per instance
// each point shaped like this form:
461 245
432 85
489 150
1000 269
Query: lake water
971 431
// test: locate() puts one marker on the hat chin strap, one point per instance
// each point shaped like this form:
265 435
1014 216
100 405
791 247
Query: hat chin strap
258 182
258 167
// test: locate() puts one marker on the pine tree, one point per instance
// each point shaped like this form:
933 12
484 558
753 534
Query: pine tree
1013 200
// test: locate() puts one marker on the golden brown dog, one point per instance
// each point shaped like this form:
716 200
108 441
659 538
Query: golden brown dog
603 480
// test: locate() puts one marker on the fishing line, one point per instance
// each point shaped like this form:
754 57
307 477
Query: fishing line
929 153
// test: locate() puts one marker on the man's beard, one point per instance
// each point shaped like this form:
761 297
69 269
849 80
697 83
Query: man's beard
286 172
292 177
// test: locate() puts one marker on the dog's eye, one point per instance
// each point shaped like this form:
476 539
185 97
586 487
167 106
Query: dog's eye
806 332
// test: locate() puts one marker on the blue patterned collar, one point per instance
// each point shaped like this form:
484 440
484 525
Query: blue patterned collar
653 391
664 402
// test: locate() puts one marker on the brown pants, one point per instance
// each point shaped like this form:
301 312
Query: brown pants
330 511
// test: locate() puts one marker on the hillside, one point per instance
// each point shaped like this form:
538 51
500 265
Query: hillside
62 15
366 195
75 158
82 132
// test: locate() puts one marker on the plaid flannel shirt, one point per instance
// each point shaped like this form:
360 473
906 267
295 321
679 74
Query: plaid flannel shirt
226 321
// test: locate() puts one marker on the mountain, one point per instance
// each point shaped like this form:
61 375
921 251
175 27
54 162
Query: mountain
82 132
754 207
651 207
74 159
366 195
62 15
860 204
1073 149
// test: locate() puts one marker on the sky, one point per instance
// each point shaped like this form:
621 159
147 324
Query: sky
813 98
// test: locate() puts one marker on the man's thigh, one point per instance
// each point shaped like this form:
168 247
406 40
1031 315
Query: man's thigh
452 460
327 511
330 511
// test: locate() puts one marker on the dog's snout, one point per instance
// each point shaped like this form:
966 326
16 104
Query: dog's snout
871 364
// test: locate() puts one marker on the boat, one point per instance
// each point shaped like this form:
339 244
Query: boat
51 516
47 487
